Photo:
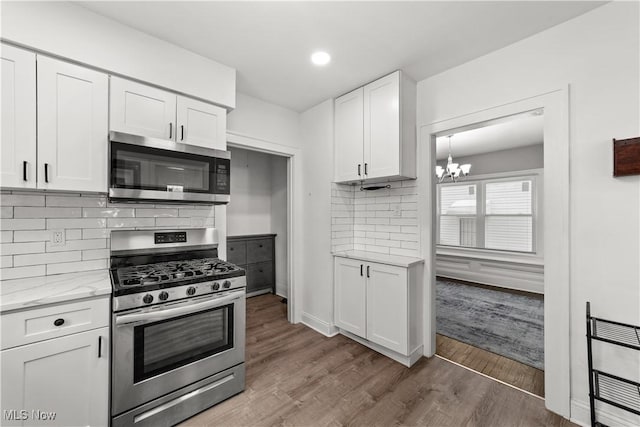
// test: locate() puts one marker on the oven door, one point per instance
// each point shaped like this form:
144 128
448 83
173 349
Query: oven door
154 169
161 349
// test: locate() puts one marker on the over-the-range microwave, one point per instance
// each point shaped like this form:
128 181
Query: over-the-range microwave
146 169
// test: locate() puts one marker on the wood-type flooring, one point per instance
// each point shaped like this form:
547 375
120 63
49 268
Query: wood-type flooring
298 377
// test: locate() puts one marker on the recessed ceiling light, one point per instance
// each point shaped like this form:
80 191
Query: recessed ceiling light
320 58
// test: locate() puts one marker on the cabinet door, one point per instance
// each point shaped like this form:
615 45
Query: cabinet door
18 144
142 110
201 124
350 296
65 376
387 311
382 127
348 137
72 127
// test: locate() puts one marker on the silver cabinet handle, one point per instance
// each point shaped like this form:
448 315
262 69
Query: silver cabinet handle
170 130
359 169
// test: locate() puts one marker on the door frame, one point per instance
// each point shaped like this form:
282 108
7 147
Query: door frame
555 105
294 210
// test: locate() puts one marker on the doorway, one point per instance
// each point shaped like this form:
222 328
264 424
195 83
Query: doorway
291 236
554 104
489 262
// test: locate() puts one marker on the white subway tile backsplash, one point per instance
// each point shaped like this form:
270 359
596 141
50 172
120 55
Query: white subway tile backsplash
22 272
6 261
31 236
87 220
80 202
382 221
154 213
108 212
22 248
21 200
56 223
70 267
46 258
130 222
77 245
96 233
403 252
195 212
6 211
73 234
22 224
95 254
39 212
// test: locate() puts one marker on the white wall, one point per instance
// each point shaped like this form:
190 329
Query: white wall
71 31
317 295
279 220
249 211
259 119
598 55
512 159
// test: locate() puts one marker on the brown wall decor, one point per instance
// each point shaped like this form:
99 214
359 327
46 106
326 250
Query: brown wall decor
626 156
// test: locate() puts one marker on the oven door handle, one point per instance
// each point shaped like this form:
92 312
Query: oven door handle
163 314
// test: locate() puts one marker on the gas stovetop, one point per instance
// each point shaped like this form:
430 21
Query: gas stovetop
151 267
174 271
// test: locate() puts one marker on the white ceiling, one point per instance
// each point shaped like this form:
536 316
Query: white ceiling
511 132
269 43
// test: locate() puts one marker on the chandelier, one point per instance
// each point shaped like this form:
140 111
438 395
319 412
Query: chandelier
452 170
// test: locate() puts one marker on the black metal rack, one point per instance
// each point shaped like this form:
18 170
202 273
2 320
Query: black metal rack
611 389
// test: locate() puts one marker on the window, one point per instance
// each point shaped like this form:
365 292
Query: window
496 214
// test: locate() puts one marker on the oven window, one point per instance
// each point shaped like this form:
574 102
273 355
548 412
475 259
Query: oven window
163 346
145 168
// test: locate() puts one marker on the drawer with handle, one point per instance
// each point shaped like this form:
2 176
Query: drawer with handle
259 250
52 321
259 276
237 252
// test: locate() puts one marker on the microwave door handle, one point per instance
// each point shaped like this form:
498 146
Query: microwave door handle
163 314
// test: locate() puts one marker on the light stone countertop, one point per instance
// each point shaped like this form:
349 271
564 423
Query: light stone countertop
32 292
397 260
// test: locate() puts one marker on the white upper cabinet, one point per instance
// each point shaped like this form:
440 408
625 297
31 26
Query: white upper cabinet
147 111
382 136
201 124
18 144
142 110
72 127
348 136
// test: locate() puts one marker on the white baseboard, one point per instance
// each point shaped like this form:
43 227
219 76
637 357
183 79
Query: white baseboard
581 414
407 361
325 328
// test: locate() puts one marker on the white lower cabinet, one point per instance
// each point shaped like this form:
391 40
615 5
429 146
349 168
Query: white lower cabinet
381 304
61 381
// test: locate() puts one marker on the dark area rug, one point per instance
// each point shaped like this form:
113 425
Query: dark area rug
504 323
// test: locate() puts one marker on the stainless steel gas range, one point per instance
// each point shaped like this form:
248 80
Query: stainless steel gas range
178 327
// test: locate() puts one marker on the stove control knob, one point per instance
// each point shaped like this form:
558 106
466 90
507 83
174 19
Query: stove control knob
226 284
163 296
191 290
147 299
216 286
